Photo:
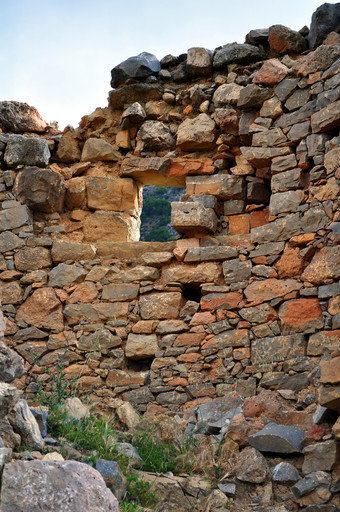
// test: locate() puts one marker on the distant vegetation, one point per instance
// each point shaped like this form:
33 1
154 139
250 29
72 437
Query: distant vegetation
156 213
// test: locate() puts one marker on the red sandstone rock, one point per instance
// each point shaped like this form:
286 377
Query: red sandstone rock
213 300
188 358
239 224
261 291
259 218
324 265
301 315
202 319
189 339
290 264
271 73
42 309
330 371
84 292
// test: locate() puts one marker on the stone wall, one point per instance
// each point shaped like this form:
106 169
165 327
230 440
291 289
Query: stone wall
248 295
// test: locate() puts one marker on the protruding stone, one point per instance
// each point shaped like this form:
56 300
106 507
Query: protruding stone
236 53
141 346
251 466
199 62
193 218
22 150
277 439
19 117
285 40
96 150
196 134
42 309
285 473
140 66
40 189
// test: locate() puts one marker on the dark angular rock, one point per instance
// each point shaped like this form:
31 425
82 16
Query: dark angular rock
169 61
257 37
22 150
140 66
277 439
325 19
253 96
285 473
41 189
113 476
236 53
11 364
251 466
217 414
312 482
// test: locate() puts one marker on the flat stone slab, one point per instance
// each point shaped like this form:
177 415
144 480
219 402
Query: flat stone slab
277 439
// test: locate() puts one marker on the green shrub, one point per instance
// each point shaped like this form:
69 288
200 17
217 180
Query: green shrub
157 456
138 491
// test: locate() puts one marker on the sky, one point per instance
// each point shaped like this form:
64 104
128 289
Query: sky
56 55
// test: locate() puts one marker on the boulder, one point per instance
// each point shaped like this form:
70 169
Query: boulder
271 73
22 150
141 66
236 53
19 117
192 218
318 60
227 94
251 466
199 62
196 134
319 457
11 364
277 439
52 486
155 136
25 424
40 189
97 150
325 19
253 96
285 40
42 309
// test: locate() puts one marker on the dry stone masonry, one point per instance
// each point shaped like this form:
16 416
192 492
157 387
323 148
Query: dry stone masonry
247 298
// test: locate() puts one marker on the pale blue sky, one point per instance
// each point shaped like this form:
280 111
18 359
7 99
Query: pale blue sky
57 55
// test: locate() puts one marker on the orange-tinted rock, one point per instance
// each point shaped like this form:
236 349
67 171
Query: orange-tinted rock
322 342
190 166
188 358
261 291
266 402
334 305
189 339
213 301
202 318
144 327
271 73
324 265
160 305
301 315
290 264
42 309
84 292
239 224
330 371
299 240
259 218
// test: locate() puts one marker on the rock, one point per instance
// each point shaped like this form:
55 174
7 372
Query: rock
9 396
134 114
321 342
160 305
54 486
32 258
192 218
227 120
324 20
12 218
330 371
11 293
53 456
298 99
224 187
217 414
318 60
284 40
199 62
261 291
68 150
64 250
40 189
11 364
155 136
262 157
253 96
139 396
99 341
327 118
324 265
277 439
196 134
97 150
141 346
141 66
236 53
75 409
119 195
129 94
236 270
128 451
42 309
301 315
319 481
319 457
66 275
283 202
191 274
112 476
329 397
226 94
271 73
120 292
251 466
285 473
127 415
10 241
156 259
22 150
103 226
19 117
41 415
26 425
